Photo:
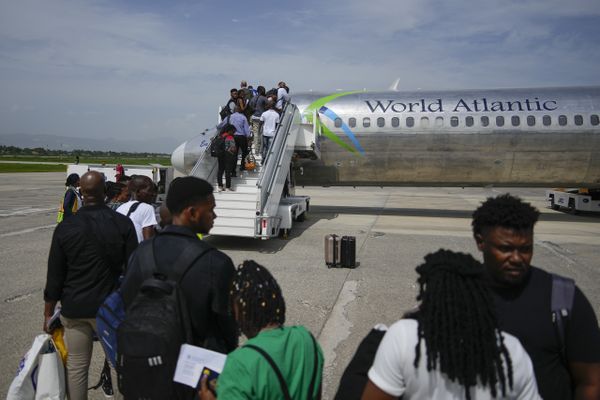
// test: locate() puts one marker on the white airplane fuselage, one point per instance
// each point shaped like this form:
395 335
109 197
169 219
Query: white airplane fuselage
522 137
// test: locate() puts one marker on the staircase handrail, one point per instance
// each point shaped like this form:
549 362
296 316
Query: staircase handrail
197 169
272 162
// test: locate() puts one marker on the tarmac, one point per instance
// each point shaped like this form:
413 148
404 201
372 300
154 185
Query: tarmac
394 227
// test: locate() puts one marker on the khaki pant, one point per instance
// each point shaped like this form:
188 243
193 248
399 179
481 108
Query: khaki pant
78 338
256 131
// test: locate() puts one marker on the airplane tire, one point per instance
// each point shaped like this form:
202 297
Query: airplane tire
571 209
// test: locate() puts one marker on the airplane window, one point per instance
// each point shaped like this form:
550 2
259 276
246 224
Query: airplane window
454 121
515 120
410 122
424 122
530 120
381 122
562 120
578 120
595 120
546 120
469 121
439 122
485 121
395 122
500 120
366 122
351 122
338 122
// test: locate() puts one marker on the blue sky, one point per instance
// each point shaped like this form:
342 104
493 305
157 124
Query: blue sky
144 70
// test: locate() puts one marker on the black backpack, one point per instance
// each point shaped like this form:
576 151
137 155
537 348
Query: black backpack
217 145
226 110
155 326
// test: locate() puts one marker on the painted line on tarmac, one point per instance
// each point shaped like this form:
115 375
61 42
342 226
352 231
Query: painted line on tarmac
337 327
29 230
24 211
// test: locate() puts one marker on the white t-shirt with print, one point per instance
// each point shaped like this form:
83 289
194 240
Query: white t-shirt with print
393 370
270 118
142 217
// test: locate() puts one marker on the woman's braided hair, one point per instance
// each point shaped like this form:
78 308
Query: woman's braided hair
457 321
258 298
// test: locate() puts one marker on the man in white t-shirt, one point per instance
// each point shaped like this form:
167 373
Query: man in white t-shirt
269 119
139 208
282 95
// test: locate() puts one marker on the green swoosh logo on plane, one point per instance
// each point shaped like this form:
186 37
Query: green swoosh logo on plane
316 105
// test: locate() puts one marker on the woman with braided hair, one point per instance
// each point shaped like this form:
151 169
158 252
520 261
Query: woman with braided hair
451 348
277 361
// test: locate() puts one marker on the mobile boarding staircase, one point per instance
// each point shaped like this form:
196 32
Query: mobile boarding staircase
260 206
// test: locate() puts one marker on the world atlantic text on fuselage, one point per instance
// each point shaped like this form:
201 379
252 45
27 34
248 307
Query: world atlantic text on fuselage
471 105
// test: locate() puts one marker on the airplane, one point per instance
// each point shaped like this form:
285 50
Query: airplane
536 137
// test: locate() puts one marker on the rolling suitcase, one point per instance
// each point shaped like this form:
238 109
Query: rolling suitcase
348 252
332 250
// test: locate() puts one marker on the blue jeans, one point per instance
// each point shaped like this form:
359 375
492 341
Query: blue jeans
266 143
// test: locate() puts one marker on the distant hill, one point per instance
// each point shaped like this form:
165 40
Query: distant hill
53 142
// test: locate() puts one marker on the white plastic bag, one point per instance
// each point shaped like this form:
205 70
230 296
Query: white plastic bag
41 374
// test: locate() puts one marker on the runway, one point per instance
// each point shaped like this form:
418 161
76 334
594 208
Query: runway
395 228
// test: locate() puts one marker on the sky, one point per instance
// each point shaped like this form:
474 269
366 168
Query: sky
143 70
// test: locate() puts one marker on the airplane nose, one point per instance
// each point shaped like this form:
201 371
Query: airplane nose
178 158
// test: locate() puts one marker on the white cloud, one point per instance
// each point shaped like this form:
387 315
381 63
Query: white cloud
165 73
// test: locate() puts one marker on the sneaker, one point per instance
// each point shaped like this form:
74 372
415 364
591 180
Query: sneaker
229 190
220 189
105 383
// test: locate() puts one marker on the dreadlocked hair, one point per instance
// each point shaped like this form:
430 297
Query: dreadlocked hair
258 297
506 211
457 321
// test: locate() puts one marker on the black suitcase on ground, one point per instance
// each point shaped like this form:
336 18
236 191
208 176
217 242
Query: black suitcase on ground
332 250
348 252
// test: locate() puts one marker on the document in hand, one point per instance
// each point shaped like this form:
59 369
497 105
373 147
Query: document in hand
193 360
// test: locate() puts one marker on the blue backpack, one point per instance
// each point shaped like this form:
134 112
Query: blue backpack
110 315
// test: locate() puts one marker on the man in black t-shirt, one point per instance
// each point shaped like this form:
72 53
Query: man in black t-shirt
503 231
207 282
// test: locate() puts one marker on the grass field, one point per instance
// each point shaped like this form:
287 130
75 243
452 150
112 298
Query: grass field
32 168
92 160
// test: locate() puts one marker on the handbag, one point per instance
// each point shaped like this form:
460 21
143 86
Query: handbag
41 374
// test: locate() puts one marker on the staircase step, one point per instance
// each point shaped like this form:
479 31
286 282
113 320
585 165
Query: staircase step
234 222
231 231
235 196
234 212
235 205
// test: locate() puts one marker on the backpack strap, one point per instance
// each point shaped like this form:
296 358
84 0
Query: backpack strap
180 267
313 379
284 388
563 292
132 209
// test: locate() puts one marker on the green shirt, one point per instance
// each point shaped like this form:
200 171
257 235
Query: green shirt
248 375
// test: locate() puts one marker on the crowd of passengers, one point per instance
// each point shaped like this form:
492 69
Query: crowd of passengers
249 121
480 331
